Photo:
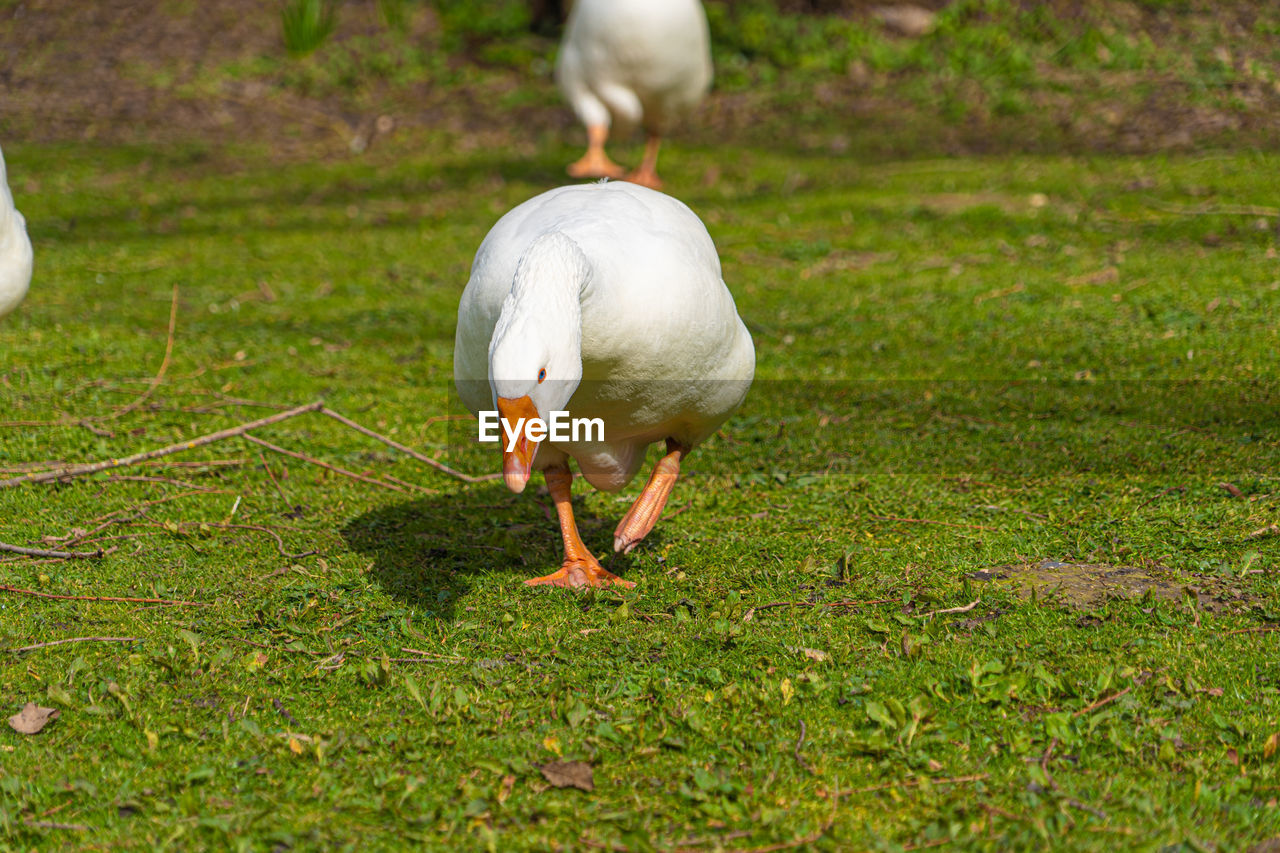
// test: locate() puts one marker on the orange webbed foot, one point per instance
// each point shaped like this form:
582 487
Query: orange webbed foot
580 572
647 509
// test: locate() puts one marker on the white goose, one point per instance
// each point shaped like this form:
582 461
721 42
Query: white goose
15 249
606 301
631 62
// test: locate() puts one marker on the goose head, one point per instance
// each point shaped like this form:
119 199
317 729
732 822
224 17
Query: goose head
535 355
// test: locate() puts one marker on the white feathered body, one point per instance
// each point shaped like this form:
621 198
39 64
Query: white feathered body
15 249
629 62
664 353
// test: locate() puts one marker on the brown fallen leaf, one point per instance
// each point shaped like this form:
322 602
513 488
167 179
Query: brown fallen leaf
1231 489
32 718
504 790
569 774
815 654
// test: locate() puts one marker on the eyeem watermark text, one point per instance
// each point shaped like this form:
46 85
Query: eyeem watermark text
559 427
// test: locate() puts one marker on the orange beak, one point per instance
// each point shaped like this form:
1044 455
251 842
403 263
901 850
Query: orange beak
517 464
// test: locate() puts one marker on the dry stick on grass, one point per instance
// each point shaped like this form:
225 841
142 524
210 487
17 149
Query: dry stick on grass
439 466
1044 763
272 476
965 609
174 602
334 468
1106 701
26 467
116 517
929 521
752 611
138 478
447 658
159 377
913 783
803 841
153 383
63 555
1261 629
74 640
800 759
70 471
1215 209
48 824
695 845
1157 497
267 530
200 441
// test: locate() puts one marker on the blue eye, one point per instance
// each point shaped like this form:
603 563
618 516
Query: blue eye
542 374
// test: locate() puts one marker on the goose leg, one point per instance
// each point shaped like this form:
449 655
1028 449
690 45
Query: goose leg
595 163
644 513
579 568
647 174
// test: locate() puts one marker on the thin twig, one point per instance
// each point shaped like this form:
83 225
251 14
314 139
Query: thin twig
75 640
752 611
106 464
1044 763
1157 497
1108 700
116 516
176 603
434 463
1085 807
803 841
800 758
139 478
267 530
1215 209
694 845
1261 629
63 555
407 484
965 609
450 658
334 468
272 477
996 810
913 783
276 648
929 521
681 510
48 824
164 365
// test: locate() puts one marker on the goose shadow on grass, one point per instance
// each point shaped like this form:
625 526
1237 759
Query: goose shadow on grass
429 552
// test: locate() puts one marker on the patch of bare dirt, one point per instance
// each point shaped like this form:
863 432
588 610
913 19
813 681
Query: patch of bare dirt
1090 585
122 71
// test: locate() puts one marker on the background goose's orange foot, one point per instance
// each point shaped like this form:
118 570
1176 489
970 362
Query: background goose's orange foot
580 573
595 167
645 178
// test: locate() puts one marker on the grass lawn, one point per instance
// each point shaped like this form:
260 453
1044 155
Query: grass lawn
987 559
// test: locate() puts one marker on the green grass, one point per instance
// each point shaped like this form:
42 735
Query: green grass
1039 358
